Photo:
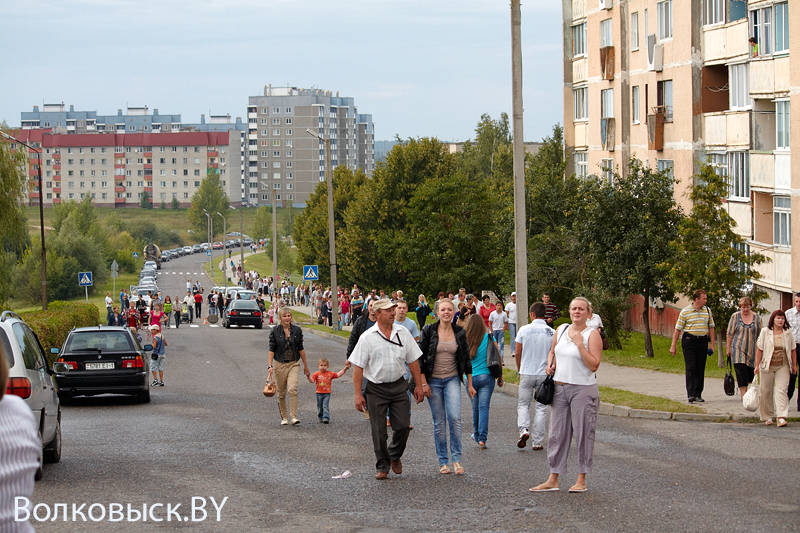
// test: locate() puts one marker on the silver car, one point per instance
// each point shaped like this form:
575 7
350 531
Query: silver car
31 379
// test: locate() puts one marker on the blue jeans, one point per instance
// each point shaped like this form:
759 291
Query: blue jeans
484 387
500 337
323 411
445 403
512 332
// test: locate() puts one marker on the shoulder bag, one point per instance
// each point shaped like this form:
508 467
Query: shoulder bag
727 384
752 397
493 361
544 393
269 387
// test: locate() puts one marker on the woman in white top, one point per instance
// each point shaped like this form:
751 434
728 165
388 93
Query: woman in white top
498 323
776 359
573 359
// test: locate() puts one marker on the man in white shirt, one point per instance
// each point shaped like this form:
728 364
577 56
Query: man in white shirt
793 319
189 301
511 311
498 322
532 345
109 306
381 356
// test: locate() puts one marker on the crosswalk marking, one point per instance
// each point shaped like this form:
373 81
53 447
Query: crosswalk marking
214 325
194 326
181 273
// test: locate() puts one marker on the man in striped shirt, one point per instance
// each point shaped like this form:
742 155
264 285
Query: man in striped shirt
551 313
697 326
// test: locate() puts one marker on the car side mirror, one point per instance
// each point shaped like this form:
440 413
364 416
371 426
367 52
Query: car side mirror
148 347
60 368
54 351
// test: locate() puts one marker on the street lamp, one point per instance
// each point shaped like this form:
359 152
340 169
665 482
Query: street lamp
241 242
41 214
224 245
331 236
210 241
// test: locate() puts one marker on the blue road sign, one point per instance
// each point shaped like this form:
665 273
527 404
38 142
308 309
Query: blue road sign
84 279
310 272
136 255
208 252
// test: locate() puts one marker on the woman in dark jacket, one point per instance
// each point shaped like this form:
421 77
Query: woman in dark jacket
445 359
285 352
423 310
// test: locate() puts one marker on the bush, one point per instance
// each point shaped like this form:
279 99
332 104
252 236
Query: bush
53 325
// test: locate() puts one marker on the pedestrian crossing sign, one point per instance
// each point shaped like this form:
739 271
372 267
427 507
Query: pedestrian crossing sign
84 279
310 272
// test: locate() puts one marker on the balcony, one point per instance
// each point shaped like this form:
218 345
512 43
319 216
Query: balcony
783 172
119 200
740 212
580 70
56 189
578 9
777 271
56 166
119 165
148 189
119 189
727 129
721 43
33 194
769 76
762 171
212 154
148 154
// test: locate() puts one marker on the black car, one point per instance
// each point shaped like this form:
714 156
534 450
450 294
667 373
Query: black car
243 313
103 360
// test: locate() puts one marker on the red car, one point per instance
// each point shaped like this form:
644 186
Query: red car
217 246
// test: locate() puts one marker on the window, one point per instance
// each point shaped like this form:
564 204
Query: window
276 164
719 162
290 186
635 104
276 175
635 31
289 164
606 36
664 19
579 39
782 216
607 168
739 87
739 174
276 154
288 132
607 103
197 172
580 103
288 143
761 29
713 11
289 175
581 164
288 121
276 110
288 109
276 186
276 121
276 143
668 166
196 160
782 120
664 89
782 27
163 172
288 153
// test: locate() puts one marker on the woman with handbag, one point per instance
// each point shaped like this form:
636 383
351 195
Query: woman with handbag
445 360
573 360
285 352
776 358
480 341
743 330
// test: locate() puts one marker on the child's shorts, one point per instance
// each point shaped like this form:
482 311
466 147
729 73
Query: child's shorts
157 364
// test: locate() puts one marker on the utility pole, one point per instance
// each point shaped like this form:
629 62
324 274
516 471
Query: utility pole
520 233
331 238
224 245
275 243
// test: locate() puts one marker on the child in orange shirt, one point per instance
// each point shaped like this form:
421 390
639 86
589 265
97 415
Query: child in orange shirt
323 380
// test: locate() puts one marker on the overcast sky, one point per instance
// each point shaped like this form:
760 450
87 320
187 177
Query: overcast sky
420 67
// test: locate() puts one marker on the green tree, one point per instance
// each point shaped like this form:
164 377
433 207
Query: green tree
707 254
163 205
144 201
211 197
627 227
175 203
262 223
479 158
13 223
311 226
375 222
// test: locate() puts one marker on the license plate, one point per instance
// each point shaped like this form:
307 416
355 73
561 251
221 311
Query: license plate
99 366
245 313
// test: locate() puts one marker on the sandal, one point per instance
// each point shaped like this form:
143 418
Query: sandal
482 445
781 422
444 469
768 422
458 469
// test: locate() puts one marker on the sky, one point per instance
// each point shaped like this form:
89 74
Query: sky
422 68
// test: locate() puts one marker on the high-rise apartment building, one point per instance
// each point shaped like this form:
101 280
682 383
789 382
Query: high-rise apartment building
283 157
675 83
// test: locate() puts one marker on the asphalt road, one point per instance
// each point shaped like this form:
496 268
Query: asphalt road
210 433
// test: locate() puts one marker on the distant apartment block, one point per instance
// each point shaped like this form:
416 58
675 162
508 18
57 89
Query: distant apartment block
118 169
283 158
674 83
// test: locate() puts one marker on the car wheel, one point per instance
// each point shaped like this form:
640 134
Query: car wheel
144 397
227 325
52 452
64 398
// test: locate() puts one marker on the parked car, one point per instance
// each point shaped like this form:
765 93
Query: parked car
188 250
217 245
103 360
165 256
243 313
147 280
150 264
197 249
244 293
205 246
31 379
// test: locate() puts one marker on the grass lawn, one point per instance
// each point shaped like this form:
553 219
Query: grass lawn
98 298
261 262
643 401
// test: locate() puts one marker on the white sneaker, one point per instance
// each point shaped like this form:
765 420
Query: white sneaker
284 422
523 439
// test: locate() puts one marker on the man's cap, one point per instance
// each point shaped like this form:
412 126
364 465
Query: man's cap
513 294
383 304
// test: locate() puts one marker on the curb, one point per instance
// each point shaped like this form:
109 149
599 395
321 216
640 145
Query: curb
605 408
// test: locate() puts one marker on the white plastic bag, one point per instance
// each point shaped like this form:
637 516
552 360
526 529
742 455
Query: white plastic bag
752 397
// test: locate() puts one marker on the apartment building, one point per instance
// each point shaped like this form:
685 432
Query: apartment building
117 170
283 157
678 82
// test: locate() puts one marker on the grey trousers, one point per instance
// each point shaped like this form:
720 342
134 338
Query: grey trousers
573 411
382 396
527 386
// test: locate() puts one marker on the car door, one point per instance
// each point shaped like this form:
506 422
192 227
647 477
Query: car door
49 392
36 400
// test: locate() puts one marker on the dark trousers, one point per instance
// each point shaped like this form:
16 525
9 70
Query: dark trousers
177 318
695 352
394 398
197 310
793 381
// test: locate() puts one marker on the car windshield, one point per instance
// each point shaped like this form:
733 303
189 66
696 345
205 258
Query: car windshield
84 341
245 295
244 304
143 292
